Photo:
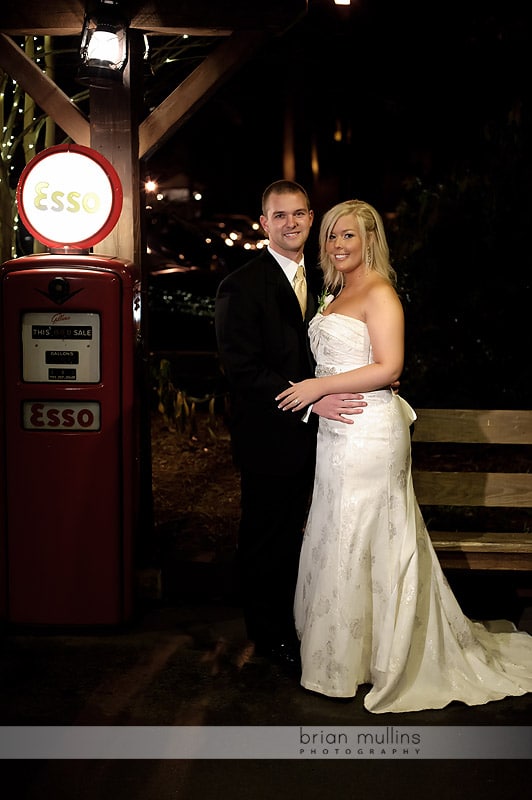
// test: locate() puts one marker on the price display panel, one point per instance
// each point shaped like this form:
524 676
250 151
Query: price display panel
61 348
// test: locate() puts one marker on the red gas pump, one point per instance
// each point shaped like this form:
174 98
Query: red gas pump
69 459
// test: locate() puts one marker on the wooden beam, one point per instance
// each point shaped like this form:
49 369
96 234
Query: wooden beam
196 89
46 94
165 17
34 17
213 15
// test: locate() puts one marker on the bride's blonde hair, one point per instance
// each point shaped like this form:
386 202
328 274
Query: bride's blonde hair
374 244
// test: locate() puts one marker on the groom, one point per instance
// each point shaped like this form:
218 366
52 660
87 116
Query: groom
262 340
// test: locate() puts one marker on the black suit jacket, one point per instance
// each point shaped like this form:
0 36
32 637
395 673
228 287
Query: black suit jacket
263 344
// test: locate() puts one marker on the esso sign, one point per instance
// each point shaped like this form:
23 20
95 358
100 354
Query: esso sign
69 196
60 416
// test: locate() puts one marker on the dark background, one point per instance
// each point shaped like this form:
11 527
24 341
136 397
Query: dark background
432 101
416 88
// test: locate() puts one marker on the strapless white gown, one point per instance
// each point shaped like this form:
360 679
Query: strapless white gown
372 604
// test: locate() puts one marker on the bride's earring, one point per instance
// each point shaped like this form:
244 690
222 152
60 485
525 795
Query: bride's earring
369 257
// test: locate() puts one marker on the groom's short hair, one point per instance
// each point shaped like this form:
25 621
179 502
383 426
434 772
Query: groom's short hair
283 187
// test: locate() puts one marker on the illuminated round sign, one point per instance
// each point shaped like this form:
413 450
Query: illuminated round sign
69 196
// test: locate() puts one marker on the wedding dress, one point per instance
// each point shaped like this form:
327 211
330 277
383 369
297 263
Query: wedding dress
372 604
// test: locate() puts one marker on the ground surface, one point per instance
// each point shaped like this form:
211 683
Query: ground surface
196 492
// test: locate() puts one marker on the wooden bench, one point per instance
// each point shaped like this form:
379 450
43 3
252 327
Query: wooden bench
471 472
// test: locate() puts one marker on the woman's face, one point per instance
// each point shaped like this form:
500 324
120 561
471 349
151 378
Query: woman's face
344 244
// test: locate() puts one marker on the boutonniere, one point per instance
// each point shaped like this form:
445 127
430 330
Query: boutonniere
323 300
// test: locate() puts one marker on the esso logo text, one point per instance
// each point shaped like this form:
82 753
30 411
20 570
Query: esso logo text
56 200
59 416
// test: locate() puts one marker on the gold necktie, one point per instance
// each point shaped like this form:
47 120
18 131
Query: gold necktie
300 288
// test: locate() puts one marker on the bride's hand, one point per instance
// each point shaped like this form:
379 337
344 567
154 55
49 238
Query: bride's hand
299 395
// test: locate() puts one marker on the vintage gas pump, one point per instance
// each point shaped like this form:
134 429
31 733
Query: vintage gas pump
68 454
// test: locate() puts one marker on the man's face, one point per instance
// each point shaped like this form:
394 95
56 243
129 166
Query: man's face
287 223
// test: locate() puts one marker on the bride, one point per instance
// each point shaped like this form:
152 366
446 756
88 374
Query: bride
372 604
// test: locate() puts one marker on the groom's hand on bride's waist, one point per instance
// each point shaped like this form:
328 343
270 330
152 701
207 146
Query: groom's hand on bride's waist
336 406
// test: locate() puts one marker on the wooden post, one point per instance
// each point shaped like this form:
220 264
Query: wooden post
114 122
114 126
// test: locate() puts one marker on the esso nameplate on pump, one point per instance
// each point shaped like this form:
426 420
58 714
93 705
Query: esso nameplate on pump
60 347
60 416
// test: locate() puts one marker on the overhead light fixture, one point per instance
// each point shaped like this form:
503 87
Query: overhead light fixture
104 44
342 2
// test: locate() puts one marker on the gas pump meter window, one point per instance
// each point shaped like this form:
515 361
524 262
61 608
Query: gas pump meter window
60 347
